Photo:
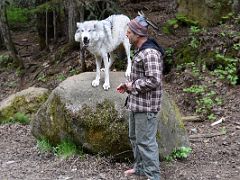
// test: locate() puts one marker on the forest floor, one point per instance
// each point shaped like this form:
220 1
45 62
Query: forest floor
215 149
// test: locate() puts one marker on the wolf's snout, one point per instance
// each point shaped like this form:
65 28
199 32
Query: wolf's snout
85 40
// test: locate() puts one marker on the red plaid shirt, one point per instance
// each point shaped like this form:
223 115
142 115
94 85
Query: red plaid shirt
146 75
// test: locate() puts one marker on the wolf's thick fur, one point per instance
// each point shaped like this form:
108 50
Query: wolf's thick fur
102 38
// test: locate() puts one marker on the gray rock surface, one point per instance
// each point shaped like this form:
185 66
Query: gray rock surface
97 119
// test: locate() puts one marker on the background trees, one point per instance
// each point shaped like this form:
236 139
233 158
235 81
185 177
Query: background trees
52 19
6 35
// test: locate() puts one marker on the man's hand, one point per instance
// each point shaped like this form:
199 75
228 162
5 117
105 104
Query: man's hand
123 87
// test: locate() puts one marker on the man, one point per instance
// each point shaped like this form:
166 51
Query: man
144 97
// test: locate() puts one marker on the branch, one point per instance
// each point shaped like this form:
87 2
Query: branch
206 135
192 119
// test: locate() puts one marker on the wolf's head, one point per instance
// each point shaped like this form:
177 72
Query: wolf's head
87 33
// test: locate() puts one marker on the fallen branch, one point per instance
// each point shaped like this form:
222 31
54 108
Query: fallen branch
192 118
206 135
23 44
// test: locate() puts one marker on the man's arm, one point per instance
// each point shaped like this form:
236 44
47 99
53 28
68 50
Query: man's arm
153 73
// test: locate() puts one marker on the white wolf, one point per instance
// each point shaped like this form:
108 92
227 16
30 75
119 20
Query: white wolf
101 38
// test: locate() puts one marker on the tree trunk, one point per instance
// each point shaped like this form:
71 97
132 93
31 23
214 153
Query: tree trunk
72 19
54 26
40 24
4 29
82 50
46 27
1 41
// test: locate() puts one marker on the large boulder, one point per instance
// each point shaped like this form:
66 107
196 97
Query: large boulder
27 101
206 12
97 120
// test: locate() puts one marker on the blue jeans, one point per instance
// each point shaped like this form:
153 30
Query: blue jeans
142 135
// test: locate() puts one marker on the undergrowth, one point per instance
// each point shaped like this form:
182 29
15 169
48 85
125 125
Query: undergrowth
64 149
179 153
17 118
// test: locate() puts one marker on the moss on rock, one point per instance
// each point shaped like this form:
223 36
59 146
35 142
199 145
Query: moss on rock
104 128
208 12
21 102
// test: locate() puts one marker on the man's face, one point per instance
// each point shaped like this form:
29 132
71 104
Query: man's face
132 37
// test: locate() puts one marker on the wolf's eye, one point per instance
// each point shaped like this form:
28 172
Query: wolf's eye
89 30
81 30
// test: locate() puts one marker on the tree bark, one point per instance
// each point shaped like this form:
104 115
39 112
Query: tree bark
46 28
40 24
54 26
72 19
4 28
1 41
82 50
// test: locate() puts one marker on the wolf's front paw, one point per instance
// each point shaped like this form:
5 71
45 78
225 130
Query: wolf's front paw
95 83
106 86
128 72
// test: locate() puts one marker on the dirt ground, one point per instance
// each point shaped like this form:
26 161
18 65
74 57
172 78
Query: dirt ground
215 149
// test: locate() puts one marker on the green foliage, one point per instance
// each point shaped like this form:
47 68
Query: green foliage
194 41
227 70
185 21
211 117
131 54
236 46
44 145
42 77
227 17
205 100
5 60
21 118
205 103
180 153
61 77
194 30
174 23
12 84
18 117
168 58
194 69
73 71
65 149
196 89
170 25
169 52
17 15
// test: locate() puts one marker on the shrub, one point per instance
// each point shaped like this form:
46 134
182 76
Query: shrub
179 153
44 145
17 15
65 149
18 117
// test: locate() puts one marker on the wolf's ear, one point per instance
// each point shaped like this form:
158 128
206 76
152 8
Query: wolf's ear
79 24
